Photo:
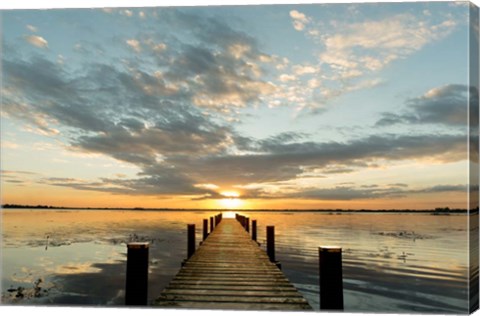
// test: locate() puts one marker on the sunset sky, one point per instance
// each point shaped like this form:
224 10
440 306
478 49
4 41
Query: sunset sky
284 106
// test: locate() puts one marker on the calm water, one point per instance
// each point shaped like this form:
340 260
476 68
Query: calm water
391 262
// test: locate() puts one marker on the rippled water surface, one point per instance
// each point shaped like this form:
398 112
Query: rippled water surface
391 262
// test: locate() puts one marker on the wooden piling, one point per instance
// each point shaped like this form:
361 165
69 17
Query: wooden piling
205 229
254 230
331 278
136 286
190 240
247 224
271 243
211 224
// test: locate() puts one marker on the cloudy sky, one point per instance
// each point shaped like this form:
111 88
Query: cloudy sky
283 106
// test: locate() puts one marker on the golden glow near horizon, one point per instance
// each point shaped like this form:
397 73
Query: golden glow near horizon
231 200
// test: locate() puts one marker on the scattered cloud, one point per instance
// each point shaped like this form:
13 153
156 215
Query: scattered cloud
301 70
134 44
17 177
371 45
31 28
108 10
299 20
352 54
37 41
128 13
287 78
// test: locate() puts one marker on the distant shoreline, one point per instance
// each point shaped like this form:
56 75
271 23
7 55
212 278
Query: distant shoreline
436 211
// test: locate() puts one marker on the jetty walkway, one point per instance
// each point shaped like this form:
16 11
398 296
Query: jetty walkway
230 271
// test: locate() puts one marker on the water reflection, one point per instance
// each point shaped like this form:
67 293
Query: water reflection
392 262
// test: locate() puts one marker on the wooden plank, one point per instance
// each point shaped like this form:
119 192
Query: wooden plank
231 292
230 287
234 305
233 298
230 271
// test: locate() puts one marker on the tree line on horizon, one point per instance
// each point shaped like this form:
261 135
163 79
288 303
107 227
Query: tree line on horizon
438 210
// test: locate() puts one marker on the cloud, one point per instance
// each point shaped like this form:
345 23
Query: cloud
155 46
286 78
346 193
301 70
128 13
352 51
169 182
299 20
218 67
37 41
219 81
446 105
134 44
342 192
47 96
280 162
371 45
174 135
18 177
31 28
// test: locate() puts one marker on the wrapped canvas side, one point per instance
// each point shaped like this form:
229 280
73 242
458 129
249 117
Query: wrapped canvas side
473 152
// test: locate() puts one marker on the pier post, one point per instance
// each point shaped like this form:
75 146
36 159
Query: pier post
211 224
247 224
254 229
205 229
331 279
136 286
190 240
271 243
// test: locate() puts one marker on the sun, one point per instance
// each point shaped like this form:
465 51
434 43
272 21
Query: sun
231 199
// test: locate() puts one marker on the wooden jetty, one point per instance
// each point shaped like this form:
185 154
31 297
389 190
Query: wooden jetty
230 271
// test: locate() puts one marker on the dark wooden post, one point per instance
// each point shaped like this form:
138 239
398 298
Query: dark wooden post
211 224
254 230
191 240
247 224
205 229
271 243
136 287
331 279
